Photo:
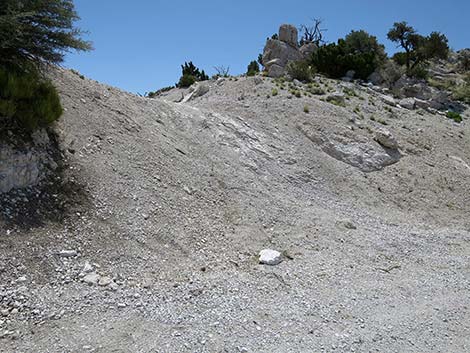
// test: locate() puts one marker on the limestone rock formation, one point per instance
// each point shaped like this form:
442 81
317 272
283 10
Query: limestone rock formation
279 52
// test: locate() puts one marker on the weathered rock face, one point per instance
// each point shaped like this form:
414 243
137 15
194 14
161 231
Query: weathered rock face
289 35
279 52
308 49
20 168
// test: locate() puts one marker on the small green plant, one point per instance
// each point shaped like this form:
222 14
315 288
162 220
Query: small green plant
298 94
274 92
454 116
306 109
349 92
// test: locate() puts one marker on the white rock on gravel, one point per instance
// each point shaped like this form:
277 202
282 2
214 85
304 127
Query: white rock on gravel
68 253
270 257
91 278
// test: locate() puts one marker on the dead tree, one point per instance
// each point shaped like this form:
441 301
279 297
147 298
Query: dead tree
313 34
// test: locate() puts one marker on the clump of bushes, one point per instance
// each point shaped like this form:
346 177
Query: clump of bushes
253 68
28 100
300 70
190 75
358 51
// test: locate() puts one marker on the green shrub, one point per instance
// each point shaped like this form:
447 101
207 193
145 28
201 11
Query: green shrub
28 100
186 81
274 92
253 68
454 116
300 70
306 109
191 74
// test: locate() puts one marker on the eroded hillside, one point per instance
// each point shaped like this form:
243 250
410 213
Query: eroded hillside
173 198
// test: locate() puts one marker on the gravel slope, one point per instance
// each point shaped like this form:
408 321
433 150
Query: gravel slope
172 202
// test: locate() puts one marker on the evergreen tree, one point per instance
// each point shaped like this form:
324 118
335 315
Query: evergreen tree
38 31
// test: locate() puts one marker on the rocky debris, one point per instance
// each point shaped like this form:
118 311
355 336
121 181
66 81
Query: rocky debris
386 139
270 257
197 90
105 281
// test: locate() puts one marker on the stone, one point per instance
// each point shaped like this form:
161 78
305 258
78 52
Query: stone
87 268
288 34
375 78
280 51
270 257
92 278
407 103
423 104
386 139
389 100
105 281
21 279
68 253
276 71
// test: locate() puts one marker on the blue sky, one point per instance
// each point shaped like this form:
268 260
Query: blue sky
140 44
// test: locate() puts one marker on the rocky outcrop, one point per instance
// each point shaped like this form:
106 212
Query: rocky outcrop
25 166
279 52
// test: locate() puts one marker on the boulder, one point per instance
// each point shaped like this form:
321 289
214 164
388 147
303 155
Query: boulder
280 51
308 49
388 100
197 90
375 78
289 35
386 139
407 103
276 71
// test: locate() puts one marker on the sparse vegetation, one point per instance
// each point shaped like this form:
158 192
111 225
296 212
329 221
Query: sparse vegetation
274 92
300 70
306 109
158 92
454 116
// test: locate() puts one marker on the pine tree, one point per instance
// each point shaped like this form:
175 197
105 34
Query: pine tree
38 31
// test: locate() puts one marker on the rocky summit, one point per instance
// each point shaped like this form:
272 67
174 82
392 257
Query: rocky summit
240 214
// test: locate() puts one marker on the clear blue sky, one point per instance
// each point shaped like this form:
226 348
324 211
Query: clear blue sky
140 44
